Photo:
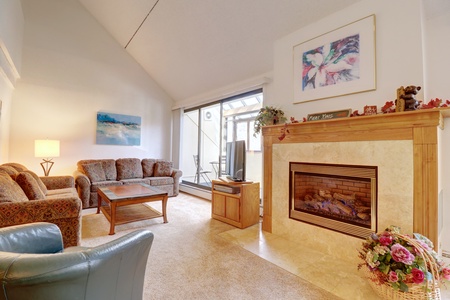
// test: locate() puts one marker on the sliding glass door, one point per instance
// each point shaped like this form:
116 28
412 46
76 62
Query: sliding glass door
207 129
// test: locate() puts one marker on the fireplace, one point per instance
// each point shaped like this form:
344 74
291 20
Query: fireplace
337 197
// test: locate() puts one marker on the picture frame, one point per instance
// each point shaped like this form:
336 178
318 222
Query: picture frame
118 129
337 63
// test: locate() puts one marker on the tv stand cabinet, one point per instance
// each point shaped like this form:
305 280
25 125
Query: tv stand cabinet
241 209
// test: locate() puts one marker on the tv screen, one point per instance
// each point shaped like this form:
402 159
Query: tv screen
235 160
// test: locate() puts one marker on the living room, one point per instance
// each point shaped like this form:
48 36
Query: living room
67 68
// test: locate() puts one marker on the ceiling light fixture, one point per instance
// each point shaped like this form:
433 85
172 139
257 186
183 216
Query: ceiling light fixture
141 24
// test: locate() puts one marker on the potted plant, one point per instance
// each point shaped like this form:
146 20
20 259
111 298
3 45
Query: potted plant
399 266
268 115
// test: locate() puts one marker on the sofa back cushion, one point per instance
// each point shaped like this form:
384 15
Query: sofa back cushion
108 165
10 170
128 168
148 166
94 171
30 186
163 168
10 191
17 166
39 181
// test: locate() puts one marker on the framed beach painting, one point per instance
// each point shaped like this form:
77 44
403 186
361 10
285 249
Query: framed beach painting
337 63
118 129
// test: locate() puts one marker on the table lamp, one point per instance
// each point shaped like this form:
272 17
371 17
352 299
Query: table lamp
47 149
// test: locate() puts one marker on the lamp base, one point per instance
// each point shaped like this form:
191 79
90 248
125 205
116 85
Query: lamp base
48 165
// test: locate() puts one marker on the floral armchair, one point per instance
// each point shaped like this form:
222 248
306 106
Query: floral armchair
28 198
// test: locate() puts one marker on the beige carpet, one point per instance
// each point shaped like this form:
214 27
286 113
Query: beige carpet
189 260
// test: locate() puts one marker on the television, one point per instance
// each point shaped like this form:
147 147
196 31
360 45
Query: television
235 160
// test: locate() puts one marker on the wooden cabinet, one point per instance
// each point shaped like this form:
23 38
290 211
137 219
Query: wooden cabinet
238 209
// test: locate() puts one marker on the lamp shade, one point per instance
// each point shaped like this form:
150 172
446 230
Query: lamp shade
46 148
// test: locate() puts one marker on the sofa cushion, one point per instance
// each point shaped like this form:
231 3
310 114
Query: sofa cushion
109 166
10 190
135 181
10 170
148 166
30 186
128 168
96 185
17 166
39 181
61 193
163 168
94 171
155 181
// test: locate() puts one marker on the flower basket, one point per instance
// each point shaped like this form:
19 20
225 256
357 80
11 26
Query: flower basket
401 267
415 292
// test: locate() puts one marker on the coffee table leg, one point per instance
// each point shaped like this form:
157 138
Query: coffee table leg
99 203
164 208
113 218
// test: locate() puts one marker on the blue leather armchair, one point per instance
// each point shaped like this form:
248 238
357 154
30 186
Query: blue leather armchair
35 265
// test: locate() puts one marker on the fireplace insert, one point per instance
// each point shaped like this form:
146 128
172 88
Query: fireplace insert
337 197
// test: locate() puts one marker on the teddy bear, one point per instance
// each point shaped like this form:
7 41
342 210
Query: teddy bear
406 98
409 96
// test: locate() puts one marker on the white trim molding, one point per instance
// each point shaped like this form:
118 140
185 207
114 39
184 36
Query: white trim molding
226 92
8 69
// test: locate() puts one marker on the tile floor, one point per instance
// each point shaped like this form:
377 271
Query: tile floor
336 277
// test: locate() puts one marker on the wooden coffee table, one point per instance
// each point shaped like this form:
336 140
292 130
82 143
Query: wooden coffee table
125 203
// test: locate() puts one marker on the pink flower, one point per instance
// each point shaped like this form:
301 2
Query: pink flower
446 273
393 277
401 254
418 275
385 239
424 245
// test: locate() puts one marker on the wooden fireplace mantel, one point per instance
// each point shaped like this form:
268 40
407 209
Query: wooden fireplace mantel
420 126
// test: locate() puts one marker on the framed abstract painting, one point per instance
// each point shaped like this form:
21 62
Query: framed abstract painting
339 62
118 129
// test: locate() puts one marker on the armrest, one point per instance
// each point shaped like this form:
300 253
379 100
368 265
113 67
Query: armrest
58 182
176 174
31 238
83 185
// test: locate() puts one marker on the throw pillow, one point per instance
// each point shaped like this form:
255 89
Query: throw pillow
10 191
148 166
30 186
94 171
163 168
39 181
10 170
128 168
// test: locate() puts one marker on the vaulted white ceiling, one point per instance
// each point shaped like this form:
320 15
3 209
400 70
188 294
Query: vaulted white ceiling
190 47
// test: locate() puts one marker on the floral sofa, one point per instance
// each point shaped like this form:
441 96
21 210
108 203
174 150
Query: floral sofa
27 198
94 173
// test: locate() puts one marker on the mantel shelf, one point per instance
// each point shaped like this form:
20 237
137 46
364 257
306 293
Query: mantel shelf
393 126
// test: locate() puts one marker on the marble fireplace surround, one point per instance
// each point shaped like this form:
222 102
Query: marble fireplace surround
403 145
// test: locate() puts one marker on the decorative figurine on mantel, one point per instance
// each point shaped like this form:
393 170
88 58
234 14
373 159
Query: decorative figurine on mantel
406 98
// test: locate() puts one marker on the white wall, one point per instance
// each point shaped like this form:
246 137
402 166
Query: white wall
71 70
437 63
11 32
